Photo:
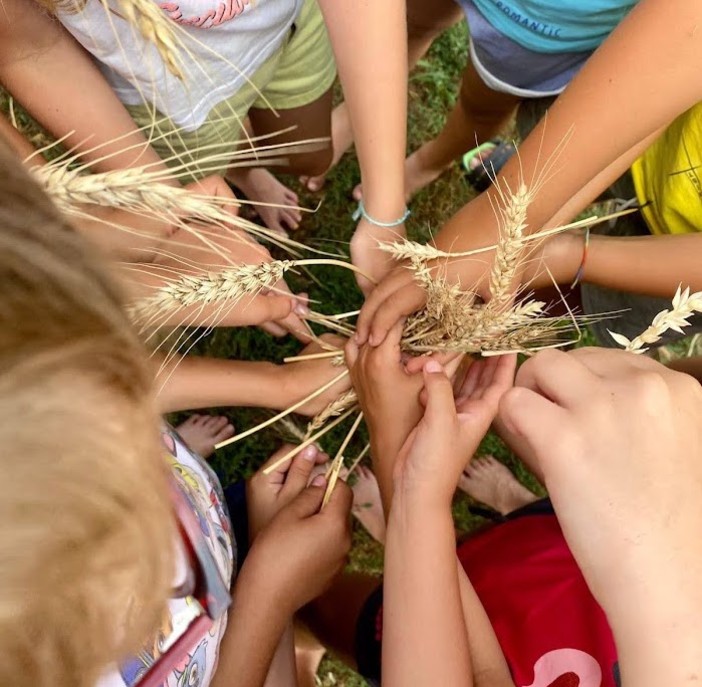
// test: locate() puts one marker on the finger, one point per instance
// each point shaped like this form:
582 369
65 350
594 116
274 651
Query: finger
533 426
274 329
300 470
351 353
389 350
470 382
280 471
558 376
440 408
308 501
387 286
295 326
396 307
446 360
273 307
341 500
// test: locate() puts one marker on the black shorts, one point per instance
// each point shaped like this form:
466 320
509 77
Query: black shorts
369 629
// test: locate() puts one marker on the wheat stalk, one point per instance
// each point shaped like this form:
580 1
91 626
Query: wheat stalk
338 462
684 306
334 409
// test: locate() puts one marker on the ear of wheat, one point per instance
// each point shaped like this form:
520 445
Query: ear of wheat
684 306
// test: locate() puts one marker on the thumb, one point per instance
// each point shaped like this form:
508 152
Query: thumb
440 406
532 426
308 501
272 307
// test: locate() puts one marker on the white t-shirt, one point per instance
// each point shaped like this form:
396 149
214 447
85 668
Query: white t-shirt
225 42
202 490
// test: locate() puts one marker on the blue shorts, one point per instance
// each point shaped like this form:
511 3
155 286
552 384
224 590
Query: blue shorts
506 66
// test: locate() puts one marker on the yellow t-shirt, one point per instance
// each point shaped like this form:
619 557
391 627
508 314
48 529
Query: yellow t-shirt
668 177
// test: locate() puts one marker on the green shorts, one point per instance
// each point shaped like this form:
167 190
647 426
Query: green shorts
297 74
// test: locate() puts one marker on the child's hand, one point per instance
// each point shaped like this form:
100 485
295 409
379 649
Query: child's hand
296 557
618 438
366 255
300 379
388 395
267 494
433 457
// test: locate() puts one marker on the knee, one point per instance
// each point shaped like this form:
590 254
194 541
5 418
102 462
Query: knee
312 164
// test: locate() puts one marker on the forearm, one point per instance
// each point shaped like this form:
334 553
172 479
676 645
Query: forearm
283 671
647 265
370 45
490 668
254 631
192 382
49 73
424 634
598 102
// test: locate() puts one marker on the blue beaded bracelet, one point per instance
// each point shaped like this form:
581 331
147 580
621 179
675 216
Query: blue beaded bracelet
361 212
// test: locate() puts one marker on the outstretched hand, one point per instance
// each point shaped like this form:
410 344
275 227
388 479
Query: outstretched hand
434 455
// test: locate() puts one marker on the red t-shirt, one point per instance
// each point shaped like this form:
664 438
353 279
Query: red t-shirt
552 631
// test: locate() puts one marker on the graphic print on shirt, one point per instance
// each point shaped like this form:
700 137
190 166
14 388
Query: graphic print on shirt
191 673
134 668
567 668
219 14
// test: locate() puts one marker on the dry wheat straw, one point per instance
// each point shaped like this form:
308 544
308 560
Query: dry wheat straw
312 440
684 306
284 413
338 462
334 409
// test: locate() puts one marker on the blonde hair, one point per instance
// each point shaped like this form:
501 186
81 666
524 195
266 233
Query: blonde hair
86 526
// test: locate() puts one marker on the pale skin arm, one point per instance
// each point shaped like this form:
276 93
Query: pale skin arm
370 45
604 100
49 73
610 116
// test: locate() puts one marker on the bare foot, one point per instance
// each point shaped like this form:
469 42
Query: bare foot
266 194
342 140
308 655
202 432
417 173
492 483
367 506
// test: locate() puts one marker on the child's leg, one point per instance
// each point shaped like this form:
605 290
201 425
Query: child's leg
334 616
309 121
425 22
479 114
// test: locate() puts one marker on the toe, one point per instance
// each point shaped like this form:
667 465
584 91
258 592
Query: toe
224 433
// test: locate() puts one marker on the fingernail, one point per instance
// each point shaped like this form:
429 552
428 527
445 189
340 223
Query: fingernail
358 338
301 309
433 366
319 481
310 453
373 341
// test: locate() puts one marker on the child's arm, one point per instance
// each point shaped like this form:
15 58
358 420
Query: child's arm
370 45
607 112
292 560
617 438
49 73
649 265
420 547
193 382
